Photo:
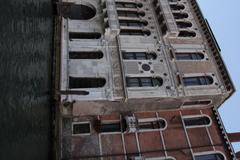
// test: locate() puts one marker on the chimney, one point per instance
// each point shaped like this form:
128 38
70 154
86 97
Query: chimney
234 137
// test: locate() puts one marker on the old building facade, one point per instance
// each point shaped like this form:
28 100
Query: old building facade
140 79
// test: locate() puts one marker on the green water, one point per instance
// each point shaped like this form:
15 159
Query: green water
25 76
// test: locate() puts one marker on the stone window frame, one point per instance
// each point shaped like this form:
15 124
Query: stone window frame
209 153
109 122
189 52
161 158
140 81
212 75
81 134
152 120
197 116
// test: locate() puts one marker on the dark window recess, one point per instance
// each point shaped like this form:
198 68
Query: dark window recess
180 15
174 0
161 19
164 29
157 9
215 156
86 55
68 92
128 5
135 32
133 23
186 34
189 56
81 128
76 82
110 127
80 12
194 103
132 14
84 35
197 81
143 82
196 121
177 7
160 124
139 55
183 24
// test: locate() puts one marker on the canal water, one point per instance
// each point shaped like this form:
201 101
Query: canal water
25 79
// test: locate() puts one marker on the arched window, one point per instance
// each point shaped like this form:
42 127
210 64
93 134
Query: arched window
146 124
197 81
84 35
133 14
138 55
135 32
178 15
128 5
143 82
197 103
196 121
187 34
83 82
177 7
133 23
210 156
81 12
85 55
183 24
189 56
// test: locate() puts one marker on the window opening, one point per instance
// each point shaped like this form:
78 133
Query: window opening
196 81
213 156
81 128
128 5
85 55
133 14
189 56
186 34
177 7
182 24
81 12
180 15
195 103
139 56
135 32
133 23
77 82
110 127
151 124
196 121
84 35
143 82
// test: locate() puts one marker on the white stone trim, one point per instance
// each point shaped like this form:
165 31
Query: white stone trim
210 152
81 134
196 116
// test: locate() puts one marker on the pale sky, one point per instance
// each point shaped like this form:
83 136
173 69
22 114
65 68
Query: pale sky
224 19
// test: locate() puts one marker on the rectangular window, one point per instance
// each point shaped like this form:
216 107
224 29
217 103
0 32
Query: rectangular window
110 127
143 82
213 156
79 128
83 82
139 55
196 81
189 56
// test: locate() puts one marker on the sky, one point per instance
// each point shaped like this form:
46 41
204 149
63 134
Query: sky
224 19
